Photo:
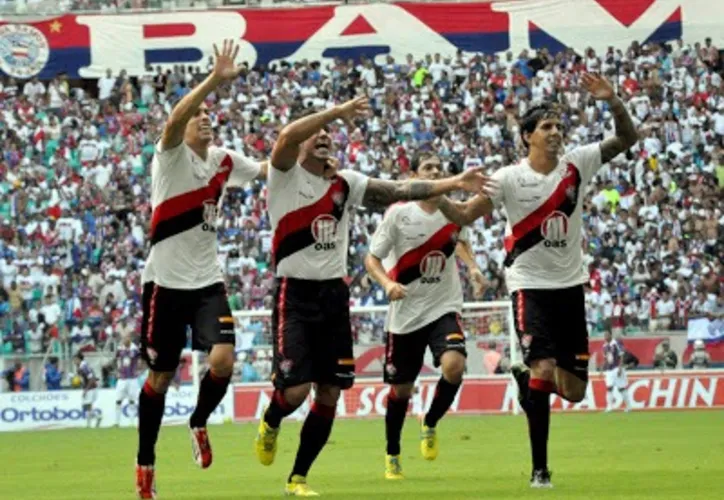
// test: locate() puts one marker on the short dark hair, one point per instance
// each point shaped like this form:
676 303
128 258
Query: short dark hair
530 119
420 157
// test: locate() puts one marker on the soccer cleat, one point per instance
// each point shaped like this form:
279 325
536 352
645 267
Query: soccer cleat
541 478
265 443
428 441
393 469
521 374
145 481
200 446
298 487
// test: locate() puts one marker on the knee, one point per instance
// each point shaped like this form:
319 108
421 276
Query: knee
222 360
544 369
453 366
402 391
296 395
159 381
327 395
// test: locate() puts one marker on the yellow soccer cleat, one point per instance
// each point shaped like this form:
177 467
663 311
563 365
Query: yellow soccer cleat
428 442
393 469
298 487
265 444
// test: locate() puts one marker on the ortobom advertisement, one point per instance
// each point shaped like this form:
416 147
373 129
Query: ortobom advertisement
62 409
88 45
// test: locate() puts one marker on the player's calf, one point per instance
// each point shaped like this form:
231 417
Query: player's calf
398 401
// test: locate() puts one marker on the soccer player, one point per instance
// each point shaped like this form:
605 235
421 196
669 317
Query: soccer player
89 383
412 255
183 284
311 322
614 371
127 356
543 197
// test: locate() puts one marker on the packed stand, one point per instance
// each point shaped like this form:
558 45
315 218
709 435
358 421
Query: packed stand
75 181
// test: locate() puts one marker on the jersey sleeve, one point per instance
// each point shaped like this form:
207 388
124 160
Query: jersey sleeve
357 186
465 234
244 170
587 159
384 237
497 193
279 179
167 158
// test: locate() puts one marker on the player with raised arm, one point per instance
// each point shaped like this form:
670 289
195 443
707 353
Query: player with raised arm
614 371
89 384
412 255
183 284
543 200
310 323
127 357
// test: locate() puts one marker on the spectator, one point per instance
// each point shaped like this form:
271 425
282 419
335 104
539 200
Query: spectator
699 359
665 358
53 375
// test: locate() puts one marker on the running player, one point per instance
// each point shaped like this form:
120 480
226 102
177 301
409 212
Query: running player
127 356
614 371
89 383
412 256
311 323
183 284
543 198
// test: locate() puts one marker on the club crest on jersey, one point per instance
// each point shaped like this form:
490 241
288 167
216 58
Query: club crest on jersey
432 267
390 369
286 366
324 232
525 340
210 215
554 230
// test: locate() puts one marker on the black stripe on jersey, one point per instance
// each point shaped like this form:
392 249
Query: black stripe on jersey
178 224
410 274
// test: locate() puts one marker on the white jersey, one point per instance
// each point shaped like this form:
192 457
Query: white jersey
186 193
544 219
417 250
310 221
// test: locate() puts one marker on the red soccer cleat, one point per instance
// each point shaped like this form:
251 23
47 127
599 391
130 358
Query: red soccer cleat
200 446
145 481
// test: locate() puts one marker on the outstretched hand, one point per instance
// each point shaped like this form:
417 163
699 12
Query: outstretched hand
597 86
224 66
358 107
473 181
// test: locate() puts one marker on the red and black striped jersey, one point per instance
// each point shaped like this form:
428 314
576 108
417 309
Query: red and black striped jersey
186 193
310 221
544 219
417 249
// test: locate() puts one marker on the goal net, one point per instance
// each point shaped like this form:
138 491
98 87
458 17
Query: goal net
490 340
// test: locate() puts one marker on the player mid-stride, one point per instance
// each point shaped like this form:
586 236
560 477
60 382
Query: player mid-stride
311 327
543 197
183 284
614 371
89 384
412 256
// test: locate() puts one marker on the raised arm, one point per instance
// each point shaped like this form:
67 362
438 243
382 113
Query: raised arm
383 193
465 213
224 69
626 134
286 150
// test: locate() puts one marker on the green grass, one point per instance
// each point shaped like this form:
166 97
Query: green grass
595 456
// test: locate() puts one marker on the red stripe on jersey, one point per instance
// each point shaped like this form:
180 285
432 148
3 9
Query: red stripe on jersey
413 258
184 202
533 220
302 218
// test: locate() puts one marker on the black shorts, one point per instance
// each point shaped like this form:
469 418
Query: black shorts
552 324
405 353
167 315
312 333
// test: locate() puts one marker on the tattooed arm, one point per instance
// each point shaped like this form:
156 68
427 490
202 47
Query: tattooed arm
626 134
465 213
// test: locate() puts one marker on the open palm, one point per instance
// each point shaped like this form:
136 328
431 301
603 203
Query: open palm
597 86
224 66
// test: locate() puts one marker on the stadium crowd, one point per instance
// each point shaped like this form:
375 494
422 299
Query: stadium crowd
74 179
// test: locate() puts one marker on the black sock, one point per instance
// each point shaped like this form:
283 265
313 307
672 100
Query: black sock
315 432
539 418
150 414
444 396
394 420
278 409
211 391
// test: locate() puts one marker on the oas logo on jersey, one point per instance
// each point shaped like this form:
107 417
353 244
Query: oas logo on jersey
210 215
324 231
24 50
432 267
555 230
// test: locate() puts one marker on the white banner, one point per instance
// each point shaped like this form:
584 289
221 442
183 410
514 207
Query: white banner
63 409
705 329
